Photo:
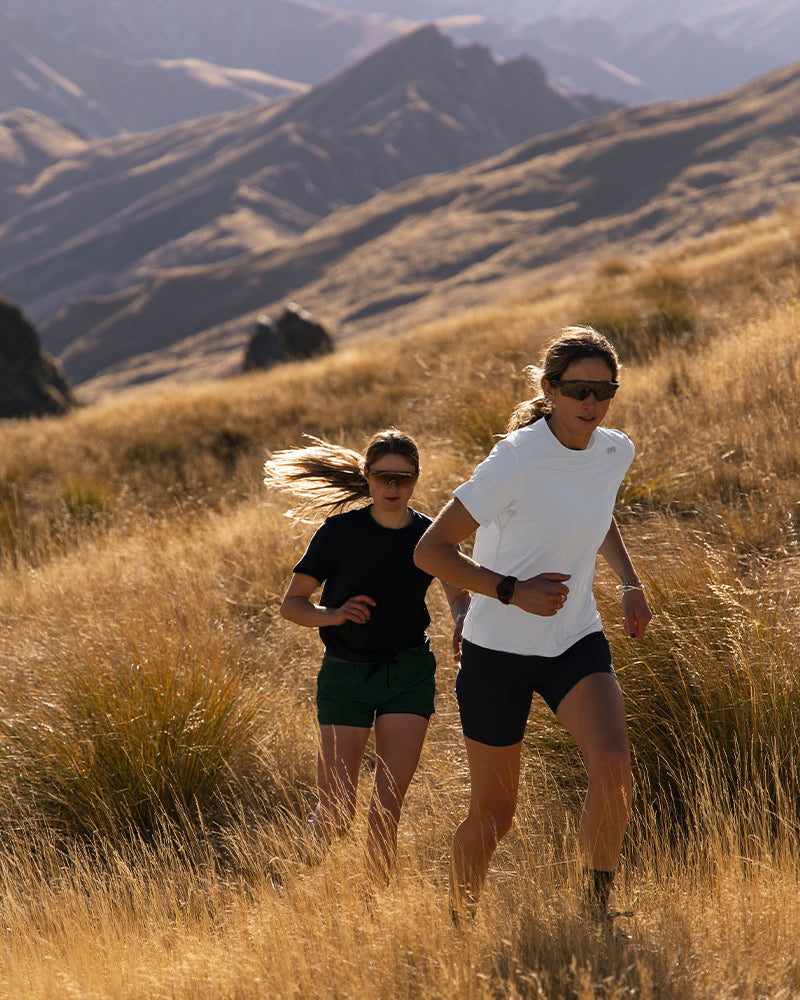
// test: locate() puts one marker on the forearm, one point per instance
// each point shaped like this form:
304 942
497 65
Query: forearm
302 611
459 605
445 561
616 555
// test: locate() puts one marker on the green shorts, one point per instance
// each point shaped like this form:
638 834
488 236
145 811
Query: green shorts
352 694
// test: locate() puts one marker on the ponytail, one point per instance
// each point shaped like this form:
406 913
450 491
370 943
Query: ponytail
529 410
323 478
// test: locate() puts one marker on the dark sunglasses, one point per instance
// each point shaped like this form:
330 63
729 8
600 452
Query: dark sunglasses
398 478
578 388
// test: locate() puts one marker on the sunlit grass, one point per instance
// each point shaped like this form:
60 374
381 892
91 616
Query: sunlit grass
157 743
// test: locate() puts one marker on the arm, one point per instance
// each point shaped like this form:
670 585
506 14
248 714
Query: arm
297 606
458 600
438 555
636 614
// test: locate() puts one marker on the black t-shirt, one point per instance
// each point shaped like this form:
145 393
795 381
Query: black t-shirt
352 554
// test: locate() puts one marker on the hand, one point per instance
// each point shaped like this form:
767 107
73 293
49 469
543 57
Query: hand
636 614
355 609
543 595
457 631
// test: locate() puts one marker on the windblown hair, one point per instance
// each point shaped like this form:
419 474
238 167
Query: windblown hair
573 344
325 478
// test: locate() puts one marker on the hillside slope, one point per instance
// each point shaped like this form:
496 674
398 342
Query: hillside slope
629 181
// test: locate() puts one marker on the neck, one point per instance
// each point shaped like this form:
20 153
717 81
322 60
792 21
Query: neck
573 441
391 519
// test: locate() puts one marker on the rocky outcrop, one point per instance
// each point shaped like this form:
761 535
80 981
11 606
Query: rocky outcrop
31 383
297 334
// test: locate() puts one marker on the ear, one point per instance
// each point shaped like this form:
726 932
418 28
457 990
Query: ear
548 390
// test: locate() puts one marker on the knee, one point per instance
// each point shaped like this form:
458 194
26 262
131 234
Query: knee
496 821
610 766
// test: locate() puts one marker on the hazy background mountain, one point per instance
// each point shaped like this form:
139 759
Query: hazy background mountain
620 184
104 68
772 26
110 212
285 38
666 62
100 94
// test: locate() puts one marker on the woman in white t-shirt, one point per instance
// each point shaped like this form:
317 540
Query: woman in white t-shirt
542 507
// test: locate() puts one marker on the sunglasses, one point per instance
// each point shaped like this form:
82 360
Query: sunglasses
398 478
578 388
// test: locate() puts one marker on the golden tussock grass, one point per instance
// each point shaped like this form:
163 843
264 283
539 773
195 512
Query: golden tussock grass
157 743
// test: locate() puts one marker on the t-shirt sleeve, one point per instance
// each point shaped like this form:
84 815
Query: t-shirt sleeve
316 560
496 484
628 449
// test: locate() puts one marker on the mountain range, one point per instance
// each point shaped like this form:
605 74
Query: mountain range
423 178
100 94
106 68
618 184
103 215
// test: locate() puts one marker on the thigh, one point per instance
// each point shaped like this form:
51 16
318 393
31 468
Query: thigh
589 655
341 750
494 777
593 713
398 743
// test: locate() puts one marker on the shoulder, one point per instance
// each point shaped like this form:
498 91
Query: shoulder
530 436
608 437
513 445
419 523
348 520
420 518
348 516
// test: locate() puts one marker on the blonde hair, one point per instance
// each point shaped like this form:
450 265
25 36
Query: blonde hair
326 478
572 344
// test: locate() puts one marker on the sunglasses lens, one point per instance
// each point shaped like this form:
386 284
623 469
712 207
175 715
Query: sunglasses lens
400 478
605 390
578 389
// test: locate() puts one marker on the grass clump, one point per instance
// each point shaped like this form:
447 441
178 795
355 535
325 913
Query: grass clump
135 743
651 313
714 705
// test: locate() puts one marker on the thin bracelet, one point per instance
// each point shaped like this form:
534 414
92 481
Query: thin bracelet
628 585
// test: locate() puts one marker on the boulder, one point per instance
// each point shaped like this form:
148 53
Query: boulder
31 382
266 347
295 335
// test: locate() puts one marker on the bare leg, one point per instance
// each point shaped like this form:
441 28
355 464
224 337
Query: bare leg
341 750
594 714
398 744
494 784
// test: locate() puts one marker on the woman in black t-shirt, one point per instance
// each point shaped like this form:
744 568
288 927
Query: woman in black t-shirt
377 667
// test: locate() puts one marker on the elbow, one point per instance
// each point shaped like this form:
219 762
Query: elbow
422 555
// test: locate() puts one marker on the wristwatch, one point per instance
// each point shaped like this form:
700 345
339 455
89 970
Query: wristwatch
505 589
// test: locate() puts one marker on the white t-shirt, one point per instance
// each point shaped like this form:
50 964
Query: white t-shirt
542 508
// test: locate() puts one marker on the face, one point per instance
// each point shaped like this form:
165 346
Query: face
574 420
391 494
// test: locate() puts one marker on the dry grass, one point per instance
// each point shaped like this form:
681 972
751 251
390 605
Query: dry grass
157 735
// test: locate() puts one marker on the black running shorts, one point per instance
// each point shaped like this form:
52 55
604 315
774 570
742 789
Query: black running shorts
495 689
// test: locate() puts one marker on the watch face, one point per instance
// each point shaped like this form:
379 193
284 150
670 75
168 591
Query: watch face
505 589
